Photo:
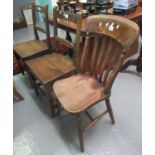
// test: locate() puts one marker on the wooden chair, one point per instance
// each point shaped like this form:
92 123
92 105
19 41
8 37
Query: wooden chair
48 68
107 42
34 48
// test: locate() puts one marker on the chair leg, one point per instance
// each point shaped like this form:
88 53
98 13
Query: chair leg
79 125
50 100
30 78
58 107
109 108
34 84
17 94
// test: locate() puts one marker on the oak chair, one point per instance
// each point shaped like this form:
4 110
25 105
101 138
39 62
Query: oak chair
107 42
34 48
50 67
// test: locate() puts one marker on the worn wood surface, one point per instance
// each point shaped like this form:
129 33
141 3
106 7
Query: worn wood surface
78 92
29 48
49 67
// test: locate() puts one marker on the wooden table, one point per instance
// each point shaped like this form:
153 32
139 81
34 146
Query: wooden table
136 16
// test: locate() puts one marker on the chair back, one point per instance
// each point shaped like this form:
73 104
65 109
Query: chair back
40 16
107 42
67 18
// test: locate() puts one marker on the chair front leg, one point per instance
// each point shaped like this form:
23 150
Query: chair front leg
79 125
34 83
50 100
109 108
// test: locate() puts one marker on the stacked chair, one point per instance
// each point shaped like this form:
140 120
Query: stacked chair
43 71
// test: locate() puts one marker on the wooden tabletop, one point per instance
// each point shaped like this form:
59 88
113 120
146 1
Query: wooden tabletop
135 16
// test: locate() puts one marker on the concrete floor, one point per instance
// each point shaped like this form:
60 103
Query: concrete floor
35 133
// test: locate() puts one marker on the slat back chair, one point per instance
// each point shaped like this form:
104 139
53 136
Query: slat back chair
35 48
67 18
55 65
107 42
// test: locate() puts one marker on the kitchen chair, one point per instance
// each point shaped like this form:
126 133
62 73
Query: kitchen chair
34 48
48 68
107 42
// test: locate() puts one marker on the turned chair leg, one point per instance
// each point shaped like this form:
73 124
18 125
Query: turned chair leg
79 125
109 108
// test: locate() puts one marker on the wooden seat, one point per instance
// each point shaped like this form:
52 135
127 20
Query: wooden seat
34 48
48 68
29 48
69 93
107 42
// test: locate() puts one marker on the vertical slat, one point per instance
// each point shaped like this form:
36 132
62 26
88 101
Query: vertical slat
101 54
115 56
84 55
107 55
94 53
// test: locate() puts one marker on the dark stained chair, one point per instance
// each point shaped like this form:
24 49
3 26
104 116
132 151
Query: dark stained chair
34 48
106 45
50 67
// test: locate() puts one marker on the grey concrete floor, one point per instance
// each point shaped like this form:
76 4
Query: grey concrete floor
35 133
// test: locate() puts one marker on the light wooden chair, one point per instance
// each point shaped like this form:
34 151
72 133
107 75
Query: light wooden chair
107 42
48 68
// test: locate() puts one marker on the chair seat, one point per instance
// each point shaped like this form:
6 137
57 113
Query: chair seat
29 48
50 67
78 92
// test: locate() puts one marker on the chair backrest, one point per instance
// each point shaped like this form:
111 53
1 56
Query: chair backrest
107 42
67 18
40 15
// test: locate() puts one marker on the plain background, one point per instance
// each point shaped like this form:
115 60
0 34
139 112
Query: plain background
6 78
